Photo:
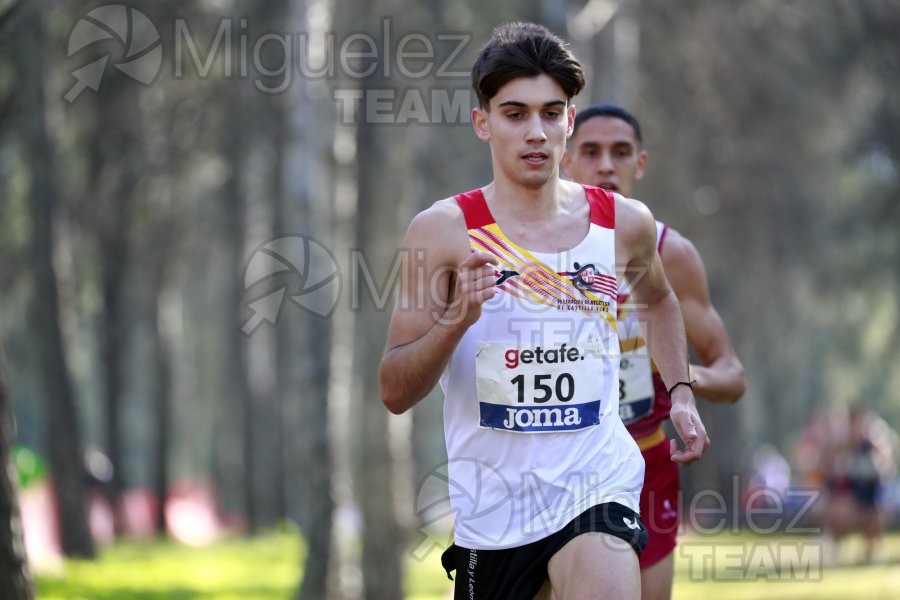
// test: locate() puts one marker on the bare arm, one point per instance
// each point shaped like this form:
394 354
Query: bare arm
720 374
442 287
662 321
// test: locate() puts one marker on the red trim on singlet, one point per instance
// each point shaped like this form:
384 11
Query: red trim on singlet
603 206
474 208
662 238
477 214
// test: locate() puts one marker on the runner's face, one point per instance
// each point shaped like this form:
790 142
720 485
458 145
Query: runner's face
604 152
527 126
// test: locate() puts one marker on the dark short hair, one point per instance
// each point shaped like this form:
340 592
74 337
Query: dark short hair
608 110
524 50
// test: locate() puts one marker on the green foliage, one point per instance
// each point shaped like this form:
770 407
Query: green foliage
29 466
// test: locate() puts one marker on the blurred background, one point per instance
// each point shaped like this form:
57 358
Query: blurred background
201 204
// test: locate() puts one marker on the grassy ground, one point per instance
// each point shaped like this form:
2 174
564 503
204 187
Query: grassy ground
261 568
727 566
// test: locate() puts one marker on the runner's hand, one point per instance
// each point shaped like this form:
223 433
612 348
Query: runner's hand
474 285
686 419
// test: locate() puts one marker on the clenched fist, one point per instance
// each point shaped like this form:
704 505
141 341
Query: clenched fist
475 284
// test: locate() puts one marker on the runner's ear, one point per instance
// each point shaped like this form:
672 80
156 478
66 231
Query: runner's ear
480 124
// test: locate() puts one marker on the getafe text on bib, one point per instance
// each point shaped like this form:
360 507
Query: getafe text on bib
533 390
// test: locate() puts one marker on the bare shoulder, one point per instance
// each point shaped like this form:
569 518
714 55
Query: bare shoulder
680 256
441 214
573 189
635 228
683 265
440 230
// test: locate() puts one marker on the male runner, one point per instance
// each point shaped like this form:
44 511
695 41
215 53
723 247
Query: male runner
508 297
605 150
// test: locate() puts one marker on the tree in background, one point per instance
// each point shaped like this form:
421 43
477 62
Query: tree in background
63 435
15 579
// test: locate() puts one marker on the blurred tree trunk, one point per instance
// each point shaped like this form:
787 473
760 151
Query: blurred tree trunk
305 340
377 235
286 338
163 371
116 157
273 351
338 143
63 431
364 148
162 394
113 223
314 473
15 578
234 214
286 351
382 538
165 232
247 146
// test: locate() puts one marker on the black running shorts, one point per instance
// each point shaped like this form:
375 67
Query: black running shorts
518 573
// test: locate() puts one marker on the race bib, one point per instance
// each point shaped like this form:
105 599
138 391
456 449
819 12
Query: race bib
635 383
540 389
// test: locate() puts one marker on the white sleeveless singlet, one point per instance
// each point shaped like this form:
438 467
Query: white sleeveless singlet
531 407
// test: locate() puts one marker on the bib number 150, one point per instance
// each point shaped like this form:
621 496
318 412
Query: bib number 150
564 387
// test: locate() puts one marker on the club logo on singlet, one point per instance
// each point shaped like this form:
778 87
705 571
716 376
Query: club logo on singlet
589 278
537 389
542 285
